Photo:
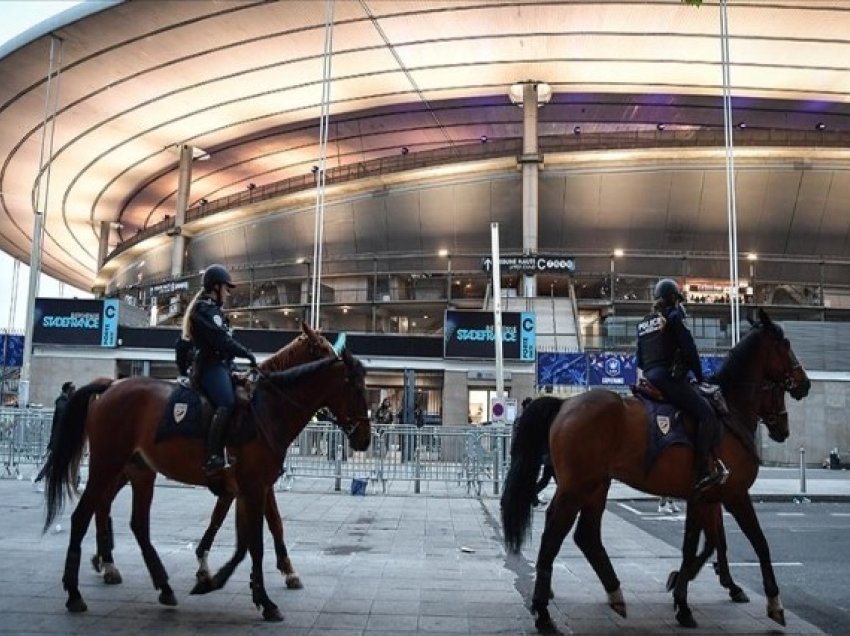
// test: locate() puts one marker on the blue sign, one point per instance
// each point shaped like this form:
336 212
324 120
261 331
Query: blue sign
471 334
607 369
562 369
109 333
527 336
76 322
11 350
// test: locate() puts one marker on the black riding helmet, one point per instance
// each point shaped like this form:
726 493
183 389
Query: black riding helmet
667 288
216 275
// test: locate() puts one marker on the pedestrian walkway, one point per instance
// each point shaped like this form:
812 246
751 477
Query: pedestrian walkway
380 564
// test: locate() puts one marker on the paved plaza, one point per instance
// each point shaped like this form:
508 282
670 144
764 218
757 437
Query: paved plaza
381 564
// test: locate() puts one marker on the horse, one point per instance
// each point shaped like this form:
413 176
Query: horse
599 436
121 426
308 346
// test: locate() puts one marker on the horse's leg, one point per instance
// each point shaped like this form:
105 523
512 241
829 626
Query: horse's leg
694 524
103 559
142 482
742 509
252 527
721 568
588 537
560 516
275 524
219 514
80 519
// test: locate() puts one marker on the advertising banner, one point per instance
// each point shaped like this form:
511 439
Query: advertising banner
11 350
76 322
562 369
607 369
471 334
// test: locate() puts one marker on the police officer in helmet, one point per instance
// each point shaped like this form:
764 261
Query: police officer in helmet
667 353
216 348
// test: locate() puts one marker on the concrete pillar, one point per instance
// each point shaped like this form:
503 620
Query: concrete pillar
184 182
530 161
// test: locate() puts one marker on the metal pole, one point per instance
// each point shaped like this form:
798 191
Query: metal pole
318 233
731 206
530 171
802 470
497 309
40 199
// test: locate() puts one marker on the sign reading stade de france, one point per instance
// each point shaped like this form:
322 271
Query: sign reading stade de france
76 322
471 334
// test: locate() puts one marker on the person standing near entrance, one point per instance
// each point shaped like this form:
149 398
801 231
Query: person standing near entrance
59 407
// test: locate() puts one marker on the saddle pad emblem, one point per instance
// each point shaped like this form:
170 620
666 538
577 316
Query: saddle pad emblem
180 410
663 423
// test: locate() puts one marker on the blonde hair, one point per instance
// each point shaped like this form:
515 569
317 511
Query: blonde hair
187 317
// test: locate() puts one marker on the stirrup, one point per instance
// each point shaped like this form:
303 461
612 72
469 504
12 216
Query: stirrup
716 477
214 465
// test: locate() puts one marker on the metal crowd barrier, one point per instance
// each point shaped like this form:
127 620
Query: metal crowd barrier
24 434
470 459
474 459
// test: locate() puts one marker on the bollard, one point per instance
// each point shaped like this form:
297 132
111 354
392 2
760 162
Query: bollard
497 464
802 470
338 468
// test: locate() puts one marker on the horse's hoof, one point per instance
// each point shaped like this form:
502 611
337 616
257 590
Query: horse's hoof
202 587
112 578
738 595
168 598
778 616
685 617
293 582
96 563
272 615
671 580
616 602
203 575
76 605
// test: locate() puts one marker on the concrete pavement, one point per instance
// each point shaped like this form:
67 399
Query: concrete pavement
380 564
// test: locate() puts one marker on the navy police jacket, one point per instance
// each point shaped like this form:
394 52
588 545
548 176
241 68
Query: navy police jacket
212 335
664 341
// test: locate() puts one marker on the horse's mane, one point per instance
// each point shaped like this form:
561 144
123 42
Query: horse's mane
737 362
282 359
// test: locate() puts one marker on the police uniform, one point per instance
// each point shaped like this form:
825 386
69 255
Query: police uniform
215 350
666 353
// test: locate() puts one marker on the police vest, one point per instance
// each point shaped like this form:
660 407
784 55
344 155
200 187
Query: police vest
656 345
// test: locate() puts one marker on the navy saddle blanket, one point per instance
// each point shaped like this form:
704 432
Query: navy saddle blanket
184 417
665 426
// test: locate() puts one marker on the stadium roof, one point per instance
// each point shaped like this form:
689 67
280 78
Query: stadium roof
242 82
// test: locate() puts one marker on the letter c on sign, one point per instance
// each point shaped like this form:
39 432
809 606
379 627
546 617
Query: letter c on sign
527 324
110 311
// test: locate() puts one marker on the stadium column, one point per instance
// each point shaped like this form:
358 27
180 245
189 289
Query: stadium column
184 181
534 94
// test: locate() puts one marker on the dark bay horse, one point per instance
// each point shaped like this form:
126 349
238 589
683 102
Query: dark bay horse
308 346
122 423
599 436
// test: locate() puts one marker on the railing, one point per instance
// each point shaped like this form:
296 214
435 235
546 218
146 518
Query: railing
473 460
24 434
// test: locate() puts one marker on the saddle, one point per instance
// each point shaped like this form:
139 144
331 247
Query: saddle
188 412
666 424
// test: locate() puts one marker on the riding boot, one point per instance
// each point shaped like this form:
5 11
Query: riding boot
215 462
707 475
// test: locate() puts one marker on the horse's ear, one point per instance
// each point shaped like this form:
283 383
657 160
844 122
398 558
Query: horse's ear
764 319
308 330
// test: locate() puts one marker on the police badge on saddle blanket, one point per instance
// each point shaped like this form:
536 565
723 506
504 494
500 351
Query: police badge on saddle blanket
663 423
180 410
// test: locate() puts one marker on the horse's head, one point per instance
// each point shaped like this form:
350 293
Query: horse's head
779 363
771 411
350 406
307 347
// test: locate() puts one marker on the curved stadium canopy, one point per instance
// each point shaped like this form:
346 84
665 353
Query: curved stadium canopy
242 82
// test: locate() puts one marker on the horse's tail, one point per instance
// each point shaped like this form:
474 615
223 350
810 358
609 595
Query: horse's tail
63 463
530 443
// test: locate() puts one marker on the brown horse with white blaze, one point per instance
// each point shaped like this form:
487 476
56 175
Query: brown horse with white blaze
599 436
123 421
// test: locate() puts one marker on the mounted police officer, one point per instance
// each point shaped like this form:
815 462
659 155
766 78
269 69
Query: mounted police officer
667 353
210 332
